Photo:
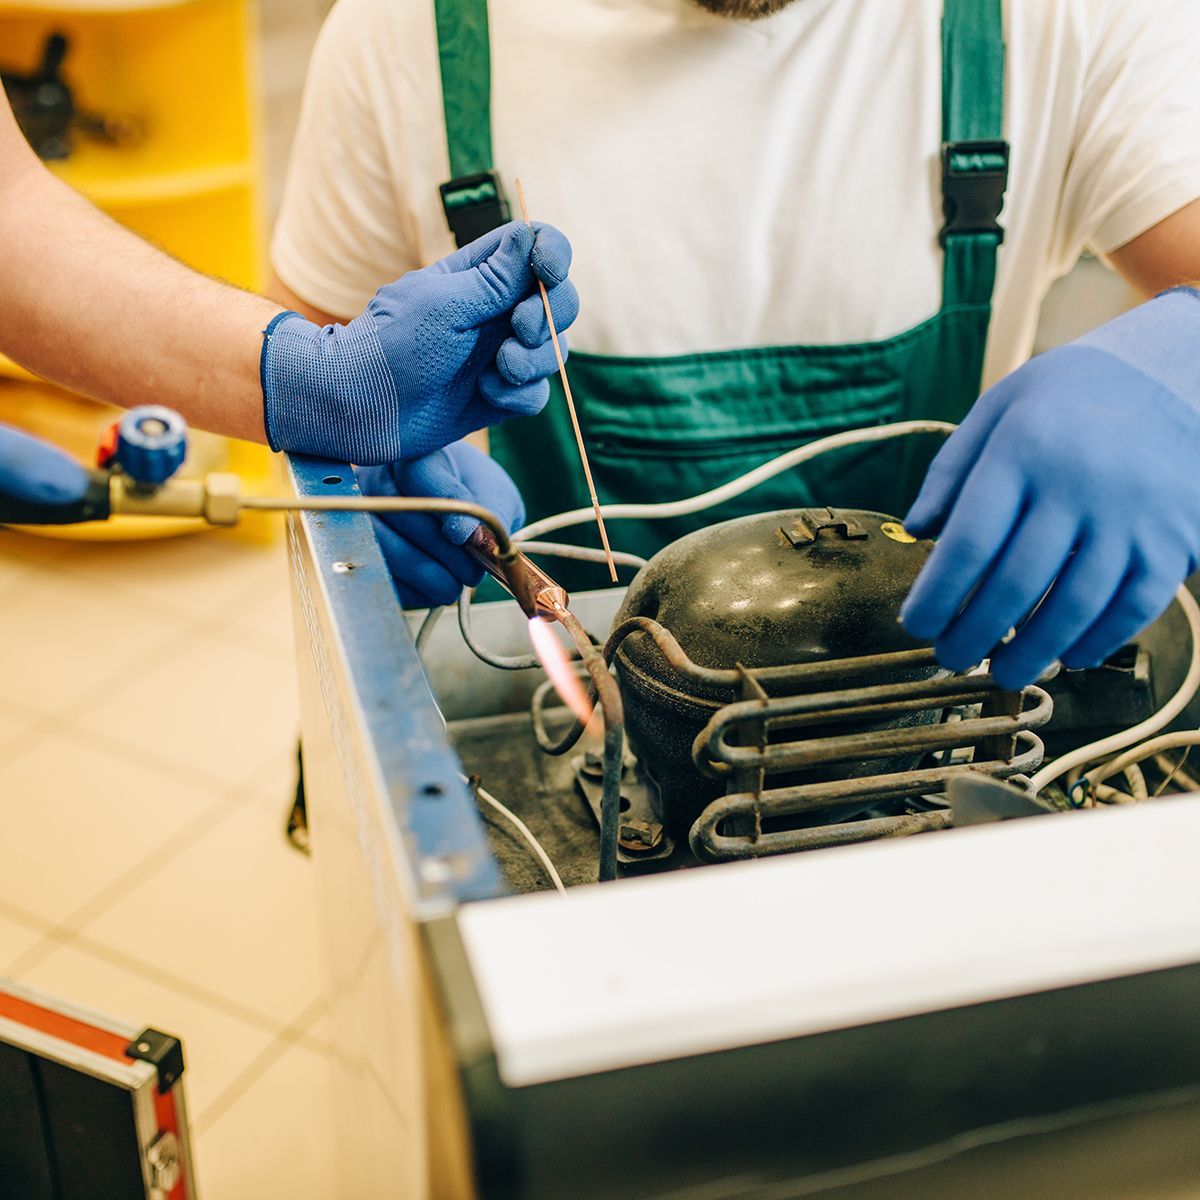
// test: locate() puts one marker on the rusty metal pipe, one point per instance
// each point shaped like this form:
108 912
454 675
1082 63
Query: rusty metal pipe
794 675
868 712
707 844
812 797
715 756
936 693
609 695
618 635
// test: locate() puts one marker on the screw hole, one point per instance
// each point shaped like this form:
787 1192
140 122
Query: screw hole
432 790
332 479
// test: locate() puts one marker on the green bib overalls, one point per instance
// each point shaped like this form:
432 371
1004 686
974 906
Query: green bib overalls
667 428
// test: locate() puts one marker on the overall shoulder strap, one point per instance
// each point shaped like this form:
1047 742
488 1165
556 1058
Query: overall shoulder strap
473 199
974 154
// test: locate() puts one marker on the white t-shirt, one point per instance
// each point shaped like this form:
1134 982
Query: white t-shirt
729 184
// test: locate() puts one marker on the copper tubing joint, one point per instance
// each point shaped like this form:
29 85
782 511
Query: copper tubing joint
535 592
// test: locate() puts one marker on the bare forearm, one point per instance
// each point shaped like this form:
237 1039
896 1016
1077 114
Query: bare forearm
1165 256
88 305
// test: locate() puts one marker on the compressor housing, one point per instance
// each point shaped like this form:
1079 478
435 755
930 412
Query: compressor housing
770 647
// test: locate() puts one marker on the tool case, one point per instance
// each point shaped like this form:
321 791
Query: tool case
90 1107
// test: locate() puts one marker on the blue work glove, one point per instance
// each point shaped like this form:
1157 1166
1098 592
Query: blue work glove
34 471
424 552
441 352
1077 479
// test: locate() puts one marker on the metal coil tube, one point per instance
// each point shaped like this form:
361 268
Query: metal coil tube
708 843
715 756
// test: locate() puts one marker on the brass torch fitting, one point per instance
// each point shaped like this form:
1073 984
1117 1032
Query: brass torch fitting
533 590
216 498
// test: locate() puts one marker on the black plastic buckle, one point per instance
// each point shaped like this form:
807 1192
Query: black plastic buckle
474 205
974 180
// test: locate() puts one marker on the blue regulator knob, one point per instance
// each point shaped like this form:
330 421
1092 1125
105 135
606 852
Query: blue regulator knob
151 444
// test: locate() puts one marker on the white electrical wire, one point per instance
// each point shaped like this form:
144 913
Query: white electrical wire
1120 741
792 458
584 553
524 831
1137 781
1176 772
735 487
1129 760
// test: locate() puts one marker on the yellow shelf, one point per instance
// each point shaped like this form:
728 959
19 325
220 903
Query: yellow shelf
215 233
184 72
116 177
35 7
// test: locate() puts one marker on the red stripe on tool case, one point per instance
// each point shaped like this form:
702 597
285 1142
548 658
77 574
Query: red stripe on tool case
98 1041
67 1029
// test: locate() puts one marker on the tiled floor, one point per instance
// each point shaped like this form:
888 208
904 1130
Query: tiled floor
147 728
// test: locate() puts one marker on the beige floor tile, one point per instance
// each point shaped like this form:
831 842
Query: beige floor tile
14 572
217 703
63 635
281 766
276 1139
76 821
216 1045
272 788
205 575
28 548
275 804
17 729
264 613
233 913
17 938
317 1034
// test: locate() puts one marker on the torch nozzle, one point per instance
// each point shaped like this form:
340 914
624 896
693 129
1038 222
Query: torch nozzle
533 590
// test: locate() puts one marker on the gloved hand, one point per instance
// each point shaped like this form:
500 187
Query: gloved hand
441 352
424 552
34 471
1076 478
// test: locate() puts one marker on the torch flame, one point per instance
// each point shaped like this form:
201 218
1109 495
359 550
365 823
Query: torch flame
553 657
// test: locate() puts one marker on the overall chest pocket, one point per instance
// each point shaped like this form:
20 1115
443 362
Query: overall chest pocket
765 396
665 429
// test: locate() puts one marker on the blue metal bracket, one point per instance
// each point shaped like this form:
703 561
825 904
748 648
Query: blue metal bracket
386 725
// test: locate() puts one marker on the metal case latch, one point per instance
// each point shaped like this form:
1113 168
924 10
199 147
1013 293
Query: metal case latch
161 1051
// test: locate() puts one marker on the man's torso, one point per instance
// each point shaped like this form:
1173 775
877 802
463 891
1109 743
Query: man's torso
730 184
